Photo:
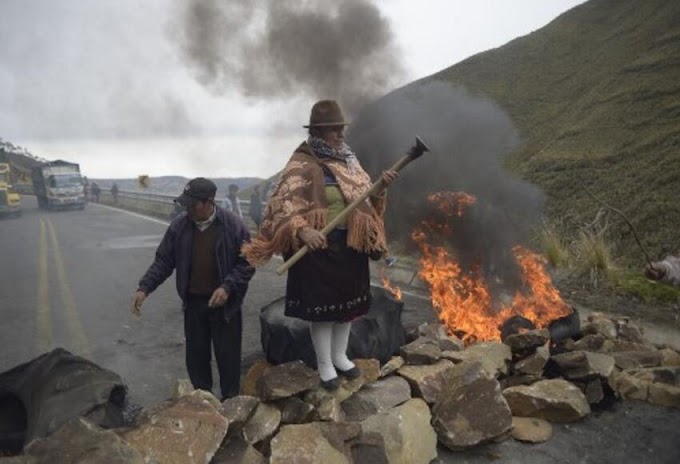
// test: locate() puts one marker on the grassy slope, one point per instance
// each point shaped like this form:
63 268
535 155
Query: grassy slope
595 96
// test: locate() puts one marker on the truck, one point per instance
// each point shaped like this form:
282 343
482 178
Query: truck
10 201
58 185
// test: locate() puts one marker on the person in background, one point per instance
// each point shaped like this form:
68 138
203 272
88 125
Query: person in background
330 285
114 193
96 191
86 189
232 203
667 270
203 247
255 207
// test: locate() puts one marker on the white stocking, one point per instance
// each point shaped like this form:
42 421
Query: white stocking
321 333
339 346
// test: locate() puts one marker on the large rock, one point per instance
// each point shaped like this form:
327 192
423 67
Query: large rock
421 351
600 324
185 430
581 365
82 441
304 444
392 366
251 381
636 359
629 332
376 397
527 342
534 364
664 394
369 448
262 424
612 346
329 409
531 429
554 400
590 342
407 433
669 357
287 380
295 411
378 334
494 357
317 442
428 381
238 410
471 414
658 385
627 385
235 450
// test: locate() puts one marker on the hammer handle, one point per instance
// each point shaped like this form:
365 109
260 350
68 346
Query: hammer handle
398 166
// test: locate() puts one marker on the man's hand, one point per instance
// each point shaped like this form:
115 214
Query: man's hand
218 298
136 304
654 272
312 238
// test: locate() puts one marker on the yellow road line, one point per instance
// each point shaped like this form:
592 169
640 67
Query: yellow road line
75 327
44 321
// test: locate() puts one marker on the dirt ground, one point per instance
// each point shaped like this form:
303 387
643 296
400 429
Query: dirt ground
603 299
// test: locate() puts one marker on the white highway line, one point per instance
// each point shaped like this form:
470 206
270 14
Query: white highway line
138 215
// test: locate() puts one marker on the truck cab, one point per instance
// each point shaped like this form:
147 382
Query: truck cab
59 185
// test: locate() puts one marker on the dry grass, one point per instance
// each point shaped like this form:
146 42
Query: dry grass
593 256
553 244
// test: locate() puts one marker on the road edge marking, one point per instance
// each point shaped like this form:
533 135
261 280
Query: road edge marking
73 321
44 319
131 213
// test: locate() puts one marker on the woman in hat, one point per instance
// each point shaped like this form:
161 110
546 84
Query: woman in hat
330 286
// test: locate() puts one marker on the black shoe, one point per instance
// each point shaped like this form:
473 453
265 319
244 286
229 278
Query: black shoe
350 374
331 385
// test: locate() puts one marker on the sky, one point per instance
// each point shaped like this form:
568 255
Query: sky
220 88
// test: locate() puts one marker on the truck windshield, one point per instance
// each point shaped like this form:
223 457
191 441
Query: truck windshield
65 180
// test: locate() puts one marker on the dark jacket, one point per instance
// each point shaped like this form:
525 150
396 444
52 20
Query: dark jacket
174 253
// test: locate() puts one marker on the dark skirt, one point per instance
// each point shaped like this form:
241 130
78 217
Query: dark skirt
332 284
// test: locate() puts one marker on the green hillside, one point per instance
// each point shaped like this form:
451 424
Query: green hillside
595 96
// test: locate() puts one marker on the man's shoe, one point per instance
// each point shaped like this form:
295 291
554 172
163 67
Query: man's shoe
331 385
350 374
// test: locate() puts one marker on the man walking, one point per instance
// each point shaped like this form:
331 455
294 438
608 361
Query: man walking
203 246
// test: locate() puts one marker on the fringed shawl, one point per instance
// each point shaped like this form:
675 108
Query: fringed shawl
299 200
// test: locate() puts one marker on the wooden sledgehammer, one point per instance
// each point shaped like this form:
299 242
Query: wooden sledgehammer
415 152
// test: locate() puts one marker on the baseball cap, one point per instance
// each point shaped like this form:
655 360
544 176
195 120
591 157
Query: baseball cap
197 189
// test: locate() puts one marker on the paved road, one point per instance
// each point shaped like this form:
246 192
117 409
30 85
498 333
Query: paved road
67 282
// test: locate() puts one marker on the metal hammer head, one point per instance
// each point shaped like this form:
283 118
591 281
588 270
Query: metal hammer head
418 149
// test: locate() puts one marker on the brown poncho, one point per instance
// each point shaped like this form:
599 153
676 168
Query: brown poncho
300 201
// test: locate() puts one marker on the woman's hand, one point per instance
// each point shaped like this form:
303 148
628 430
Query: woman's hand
312 238
387 177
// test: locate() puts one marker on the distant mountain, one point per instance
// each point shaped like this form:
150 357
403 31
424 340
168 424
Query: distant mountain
173 185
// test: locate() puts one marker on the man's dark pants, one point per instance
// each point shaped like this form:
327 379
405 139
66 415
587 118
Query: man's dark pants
203 325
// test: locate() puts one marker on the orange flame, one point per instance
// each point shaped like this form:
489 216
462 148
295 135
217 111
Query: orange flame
463 301
389 286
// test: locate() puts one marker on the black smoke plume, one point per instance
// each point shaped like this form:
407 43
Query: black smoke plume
290 48
470 137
